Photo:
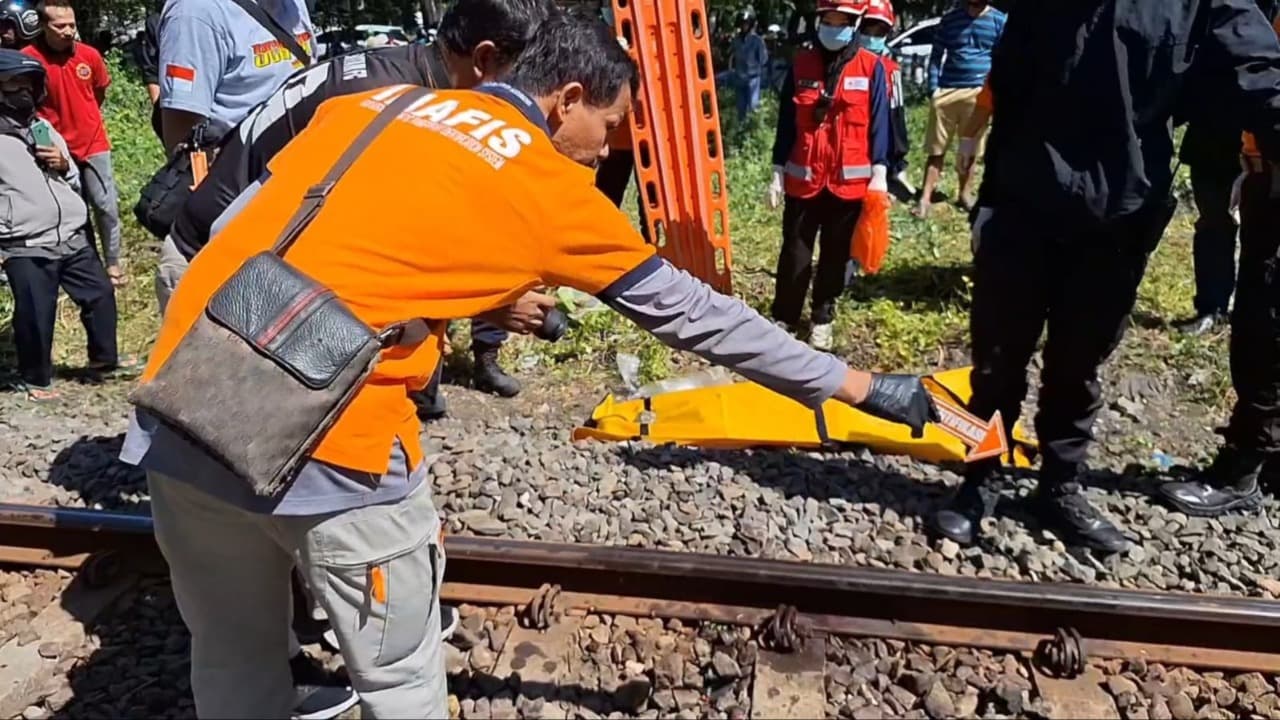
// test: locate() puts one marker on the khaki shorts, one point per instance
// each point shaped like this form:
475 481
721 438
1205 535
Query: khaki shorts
949 109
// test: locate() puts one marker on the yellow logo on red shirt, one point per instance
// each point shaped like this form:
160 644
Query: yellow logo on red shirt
266 54
83 72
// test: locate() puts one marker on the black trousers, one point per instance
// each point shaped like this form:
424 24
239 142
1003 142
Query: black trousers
1030 274
35 283
1214 244
1255 320
830 221
612 178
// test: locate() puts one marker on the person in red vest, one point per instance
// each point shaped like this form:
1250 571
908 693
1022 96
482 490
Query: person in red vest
873 34
831 148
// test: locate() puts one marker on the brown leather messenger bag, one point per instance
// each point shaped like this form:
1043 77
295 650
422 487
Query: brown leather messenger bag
275 357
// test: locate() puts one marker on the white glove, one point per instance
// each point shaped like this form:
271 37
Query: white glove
966 155
773 194
1234 205
979 220
879 179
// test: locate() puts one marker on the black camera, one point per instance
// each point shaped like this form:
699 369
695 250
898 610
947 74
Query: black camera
554 326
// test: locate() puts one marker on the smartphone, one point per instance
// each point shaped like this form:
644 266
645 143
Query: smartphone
41 135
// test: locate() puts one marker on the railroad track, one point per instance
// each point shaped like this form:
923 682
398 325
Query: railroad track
1060 625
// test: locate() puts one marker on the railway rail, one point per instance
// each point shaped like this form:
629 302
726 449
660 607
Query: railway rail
1060 625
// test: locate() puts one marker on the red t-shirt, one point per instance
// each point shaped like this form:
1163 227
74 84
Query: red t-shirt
72 105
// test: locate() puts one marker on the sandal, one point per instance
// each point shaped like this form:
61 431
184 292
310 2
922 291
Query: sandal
125 367
35 393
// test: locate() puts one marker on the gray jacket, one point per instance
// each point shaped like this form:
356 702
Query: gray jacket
38 208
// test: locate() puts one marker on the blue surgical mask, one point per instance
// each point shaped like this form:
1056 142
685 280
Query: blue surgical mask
877 45
835 38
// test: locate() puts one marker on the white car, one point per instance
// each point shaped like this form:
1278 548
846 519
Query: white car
912 47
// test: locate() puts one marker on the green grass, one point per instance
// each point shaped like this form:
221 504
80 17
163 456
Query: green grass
912 316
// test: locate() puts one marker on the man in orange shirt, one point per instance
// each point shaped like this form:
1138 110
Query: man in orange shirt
499 183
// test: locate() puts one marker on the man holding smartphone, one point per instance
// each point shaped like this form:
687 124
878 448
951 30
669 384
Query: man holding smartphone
45 243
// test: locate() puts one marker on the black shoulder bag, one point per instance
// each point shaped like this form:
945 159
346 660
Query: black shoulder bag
275 357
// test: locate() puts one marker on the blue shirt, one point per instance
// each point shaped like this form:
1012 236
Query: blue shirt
216 61
750 56
962 48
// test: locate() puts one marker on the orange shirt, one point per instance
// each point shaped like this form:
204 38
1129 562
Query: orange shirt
1251 144
456 208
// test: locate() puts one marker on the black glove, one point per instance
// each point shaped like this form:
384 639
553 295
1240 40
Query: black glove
901 399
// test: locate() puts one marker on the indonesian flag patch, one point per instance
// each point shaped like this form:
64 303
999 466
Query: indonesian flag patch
181 78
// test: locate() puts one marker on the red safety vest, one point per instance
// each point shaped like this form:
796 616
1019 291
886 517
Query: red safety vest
834 154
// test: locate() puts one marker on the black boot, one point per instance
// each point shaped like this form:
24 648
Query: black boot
430 403
489 375
975 499
1064 508
1229 483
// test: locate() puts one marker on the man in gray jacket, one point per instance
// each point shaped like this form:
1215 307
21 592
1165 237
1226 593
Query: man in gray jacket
44 239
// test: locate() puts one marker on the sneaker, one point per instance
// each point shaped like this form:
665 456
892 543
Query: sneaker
1201 323
821 336
317 693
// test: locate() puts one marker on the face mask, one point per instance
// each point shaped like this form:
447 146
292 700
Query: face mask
877 45
19 105
835 38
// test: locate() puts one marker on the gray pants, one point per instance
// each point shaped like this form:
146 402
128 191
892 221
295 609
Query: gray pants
98 183
376 571
169 270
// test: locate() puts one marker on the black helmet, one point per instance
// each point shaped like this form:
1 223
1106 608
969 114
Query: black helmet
25 19
13 63
746 15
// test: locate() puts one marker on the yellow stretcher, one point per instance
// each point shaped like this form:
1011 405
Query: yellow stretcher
744 414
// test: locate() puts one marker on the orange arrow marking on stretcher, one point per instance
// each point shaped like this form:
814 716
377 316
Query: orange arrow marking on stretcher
984 438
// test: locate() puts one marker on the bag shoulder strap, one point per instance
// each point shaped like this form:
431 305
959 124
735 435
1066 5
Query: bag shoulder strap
406 333
437 71
315 196
284 36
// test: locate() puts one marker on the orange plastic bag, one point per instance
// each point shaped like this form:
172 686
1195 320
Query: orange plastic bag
871 237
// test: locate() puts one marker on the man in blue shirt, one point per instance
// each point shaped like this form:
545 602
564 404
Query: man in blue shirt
750 61
958 66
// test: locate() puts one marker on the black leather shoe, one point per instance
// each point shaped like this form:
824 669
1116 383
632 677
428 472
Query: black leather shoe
1229 483
976 499
430 406
1066 511
490 377
1201 324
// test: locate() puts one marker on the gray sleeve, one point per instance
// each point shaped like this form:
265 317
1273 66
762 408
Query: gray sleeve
192 58
72 175
687 314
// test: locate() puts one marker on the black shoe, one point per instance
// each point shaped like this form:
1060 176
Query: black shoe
1229 483
1201 323
975 499
318 695
430 406
449 619
1065 509
490 377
